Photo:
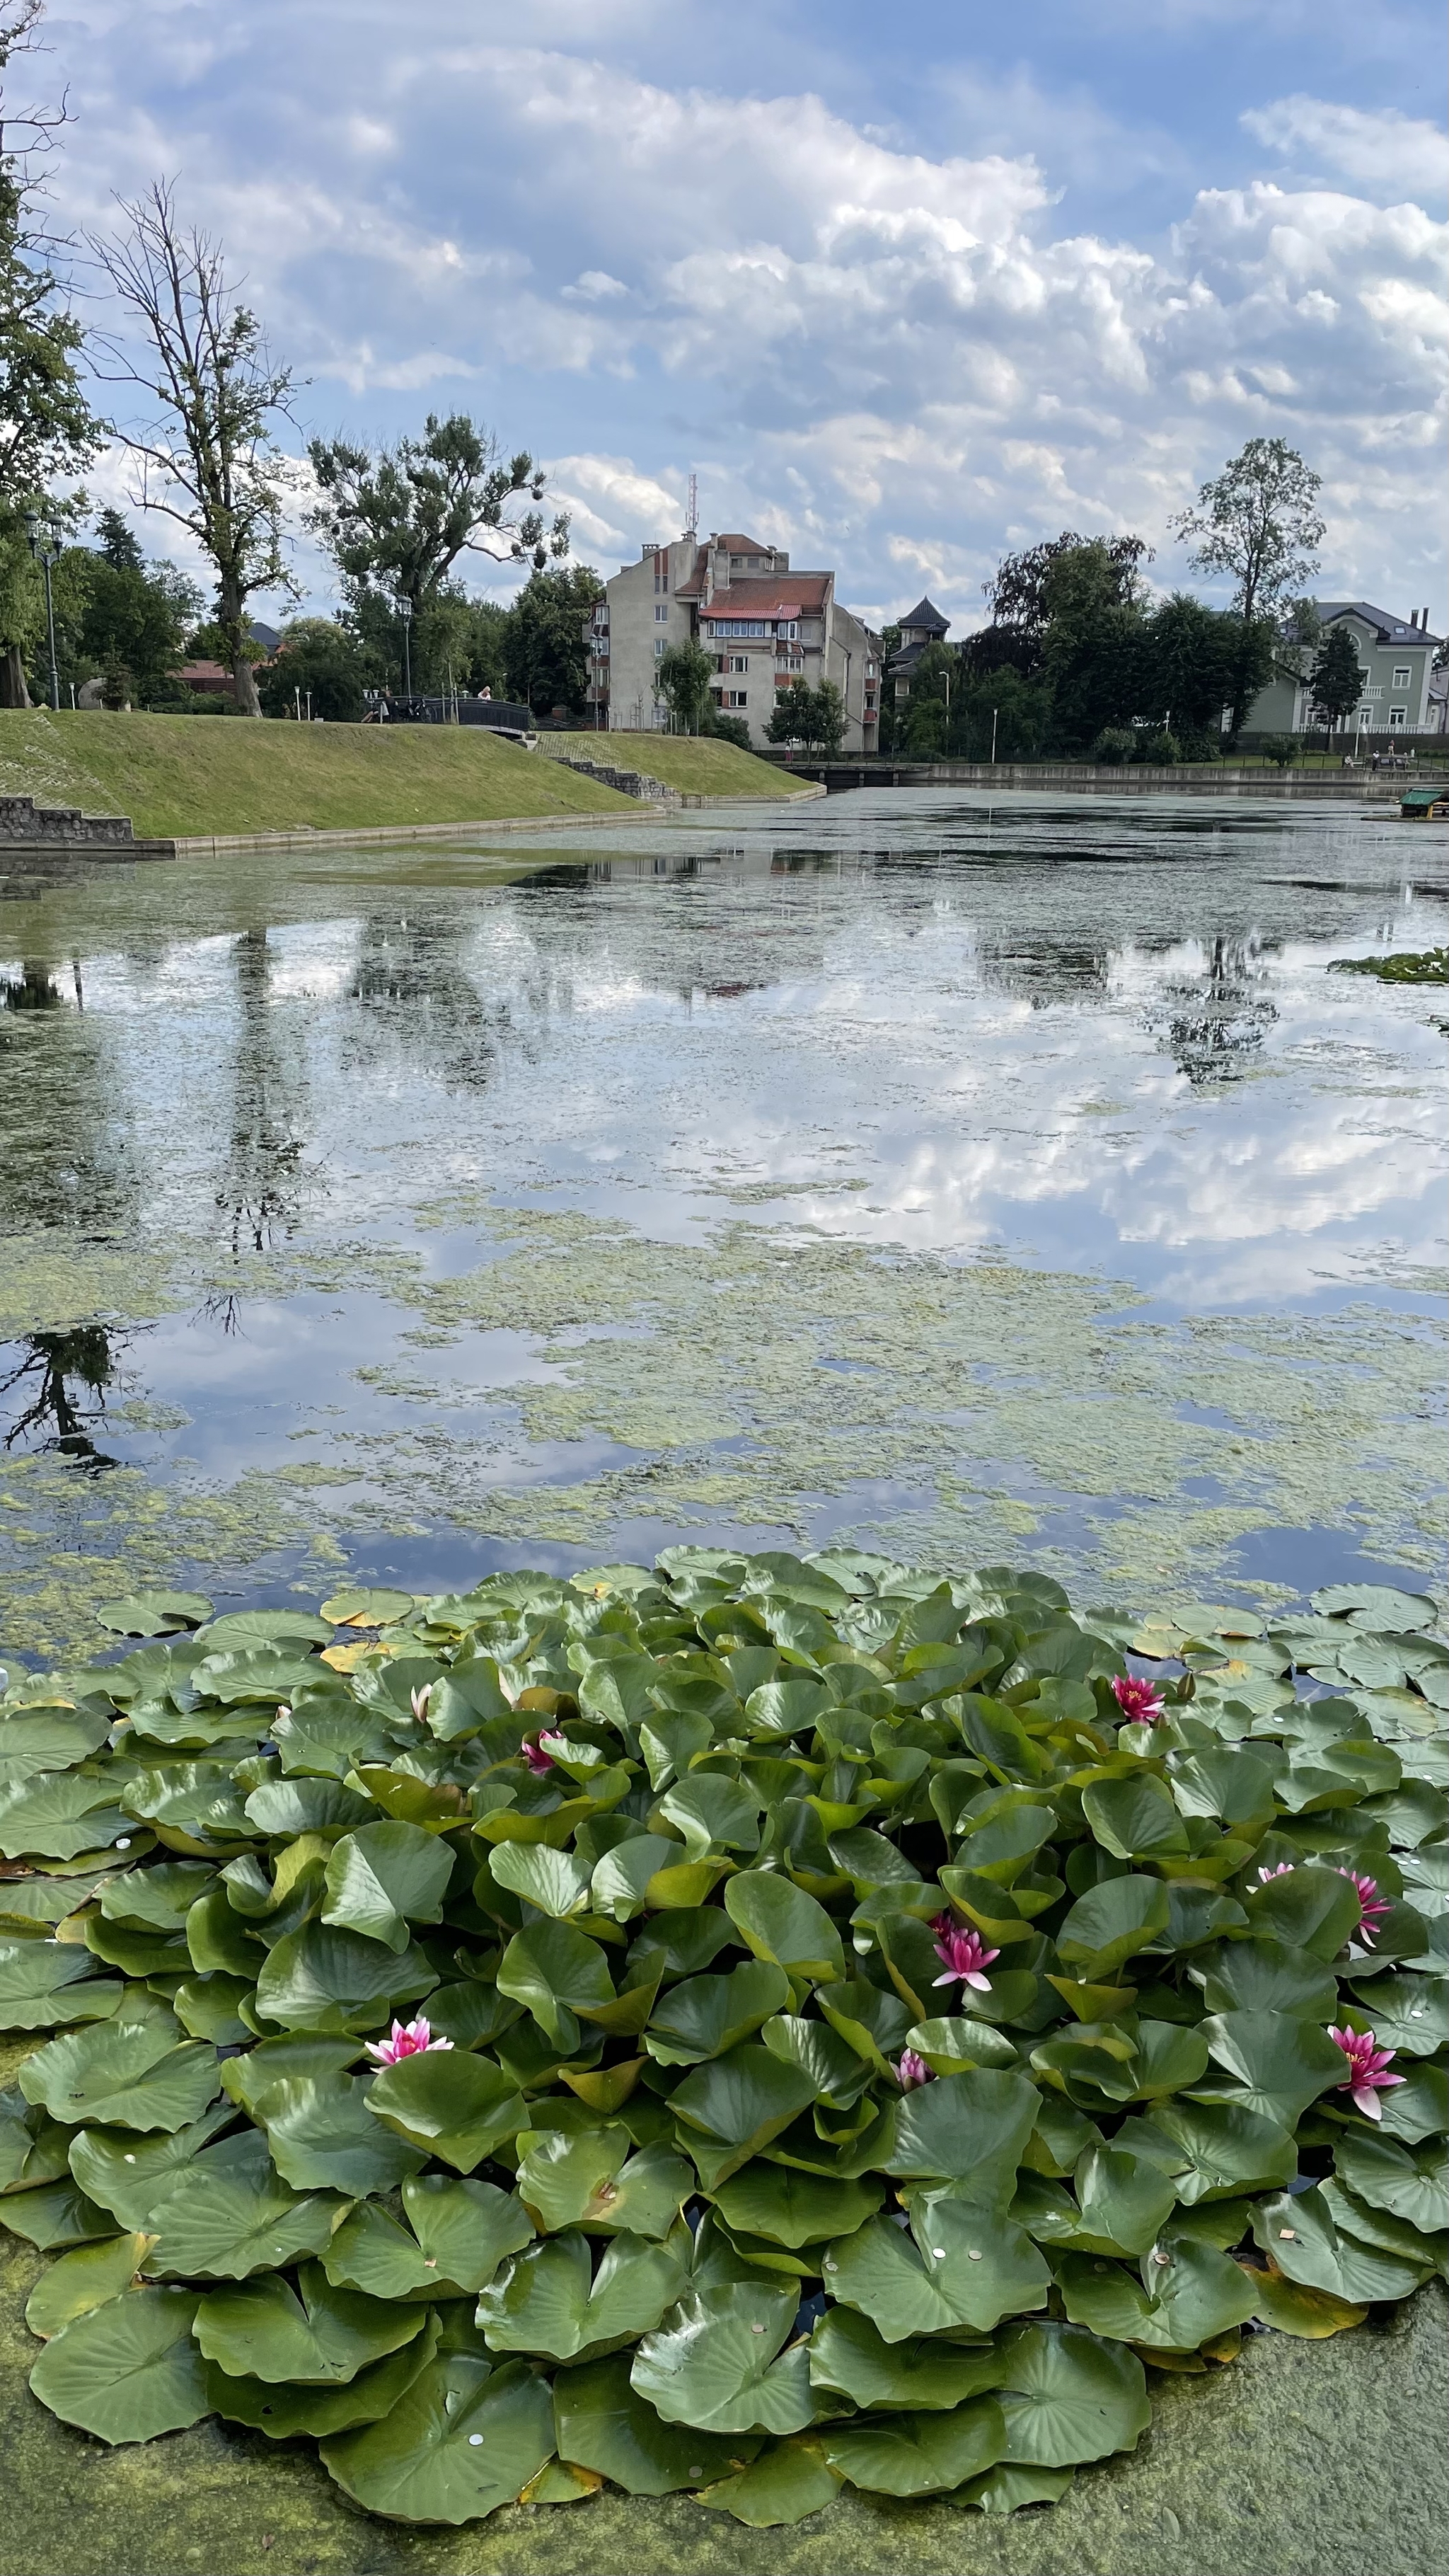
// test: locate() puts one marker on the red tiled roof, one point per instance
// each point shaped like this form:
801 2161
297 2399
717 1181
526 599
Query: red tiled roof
739 545
782 594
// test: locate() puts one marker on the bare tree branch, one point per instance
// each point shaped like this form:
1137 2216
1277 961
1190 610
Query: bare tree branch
205 363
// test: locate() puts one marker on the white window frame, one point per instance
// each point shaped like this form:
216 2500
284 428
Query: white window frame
1398 719
661 616
1403 677
661 647
736 697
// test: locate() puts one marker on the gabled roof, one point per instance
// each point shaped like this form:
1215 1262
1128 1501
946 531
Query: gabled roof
739 545
1391 629
924 614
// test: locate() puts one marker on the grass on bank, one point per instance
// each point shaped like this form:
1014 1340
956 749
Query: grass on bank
179 776
692 764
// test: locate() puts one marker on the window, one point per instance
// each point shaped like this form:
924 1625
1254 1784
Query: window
1403 679
1398 718
659 646
735 698
661 616
739 661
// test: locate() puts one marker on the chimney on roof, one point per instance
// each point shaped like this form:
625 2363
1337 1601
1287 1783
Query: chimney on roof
1424 619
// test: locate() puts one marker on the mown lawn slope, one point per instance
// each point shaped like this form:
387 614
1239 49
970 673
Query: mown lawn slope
694 764
183 775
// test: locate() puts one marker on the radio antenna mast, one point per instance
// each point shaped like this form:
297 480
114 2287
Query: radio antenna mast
692 525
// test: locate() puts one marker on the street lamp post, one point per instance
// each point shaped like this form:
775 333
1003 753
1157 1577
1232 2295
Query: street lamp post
405 612
45 547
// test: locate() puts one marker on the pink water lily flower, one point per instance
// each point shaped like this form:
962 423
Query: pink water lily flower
1368 2074
418 1701
1141 1702
406 2039
962 1955
1284 1869
911 2070
534 1755
1374 1907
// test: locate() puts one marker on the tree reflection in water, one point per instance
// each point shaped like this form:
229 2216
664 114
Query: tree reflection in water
1215 1025
60 1383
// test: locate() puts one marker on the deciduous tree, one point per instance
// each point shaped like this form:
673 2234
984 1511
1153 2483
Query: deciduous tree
1336 679
46 429
1258 522
396 519
207 459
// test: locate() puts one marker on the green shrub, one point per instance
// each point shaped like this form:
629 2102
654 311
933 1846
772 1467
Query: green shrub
1281 748
603 1968
1115 747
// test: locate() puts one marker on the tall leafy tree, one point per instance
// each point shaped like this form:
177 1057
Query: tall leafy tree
207 459
1258 522
319 662
128 621
46 430
545 658
1337 677
1023 598
1195 658
396 519
814 717
1093 652
684 673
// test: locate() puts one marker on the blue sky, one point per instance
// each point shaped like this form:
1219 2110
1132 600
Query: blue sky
904 288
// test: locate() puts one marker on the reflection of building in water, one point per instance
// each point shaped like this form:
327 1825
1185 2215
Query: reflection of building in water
1215 1024
1040 969
59 1384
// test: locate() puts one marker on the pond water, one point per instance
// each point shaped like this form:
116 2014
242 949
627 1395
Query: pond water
973 1179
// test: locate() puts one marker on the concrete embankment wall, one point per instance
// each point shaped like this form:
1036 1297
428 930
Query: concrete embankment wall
1085 778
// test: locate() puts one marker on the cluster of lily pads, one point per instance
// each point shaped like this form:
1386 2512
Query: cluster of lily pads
738 2027
1406 966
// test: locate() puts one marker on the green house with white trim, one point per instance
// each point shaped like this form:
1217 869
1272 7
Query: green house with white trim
1396 658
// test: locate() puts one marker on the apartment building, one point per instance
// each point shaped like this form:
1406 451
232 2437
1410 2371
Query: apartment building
761 624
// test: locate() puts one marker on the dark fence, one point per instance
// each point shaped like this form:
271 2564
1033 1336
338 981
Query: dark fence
497 714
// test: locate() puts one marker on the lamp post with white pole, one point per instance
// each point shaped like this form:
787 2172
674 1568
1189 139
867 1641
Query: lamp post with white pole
45 543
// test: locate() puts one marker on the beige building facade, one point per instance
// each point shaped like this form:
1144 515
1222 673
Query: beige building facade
762 625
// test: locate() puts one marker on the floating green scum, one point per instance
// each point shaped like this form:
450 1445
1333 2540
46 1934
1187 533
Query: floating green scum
740 2027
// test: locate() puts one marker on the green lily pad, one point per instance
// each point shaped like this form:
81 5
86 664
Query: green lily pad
1264 1975
1310 1909
1135 1818
372 2252
51 2215
707 2015
919 2454
784 2485
1275 2063
1218 2149
603 2424
154 1614
323 2137
718 2365
1123 2197
558 1973
967 2127
1300 2238
323 1978
463 2439
448 2104
784 1926
465 2229
46 1982
582 2179
1066 2397
130 2174
850 2357
281 2411
1295 2310
264 2330
56 1814
553 1881
1196 2294
1408 2013
384 1877
84 2279
126 2371
734 2106
548 2299
1110 1924
794 2208
1410 2183
48 1739
232 2215
128 2075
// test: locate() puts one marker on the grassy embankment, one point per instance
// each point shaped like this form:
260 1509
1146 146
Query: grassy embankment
184 776
693 764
